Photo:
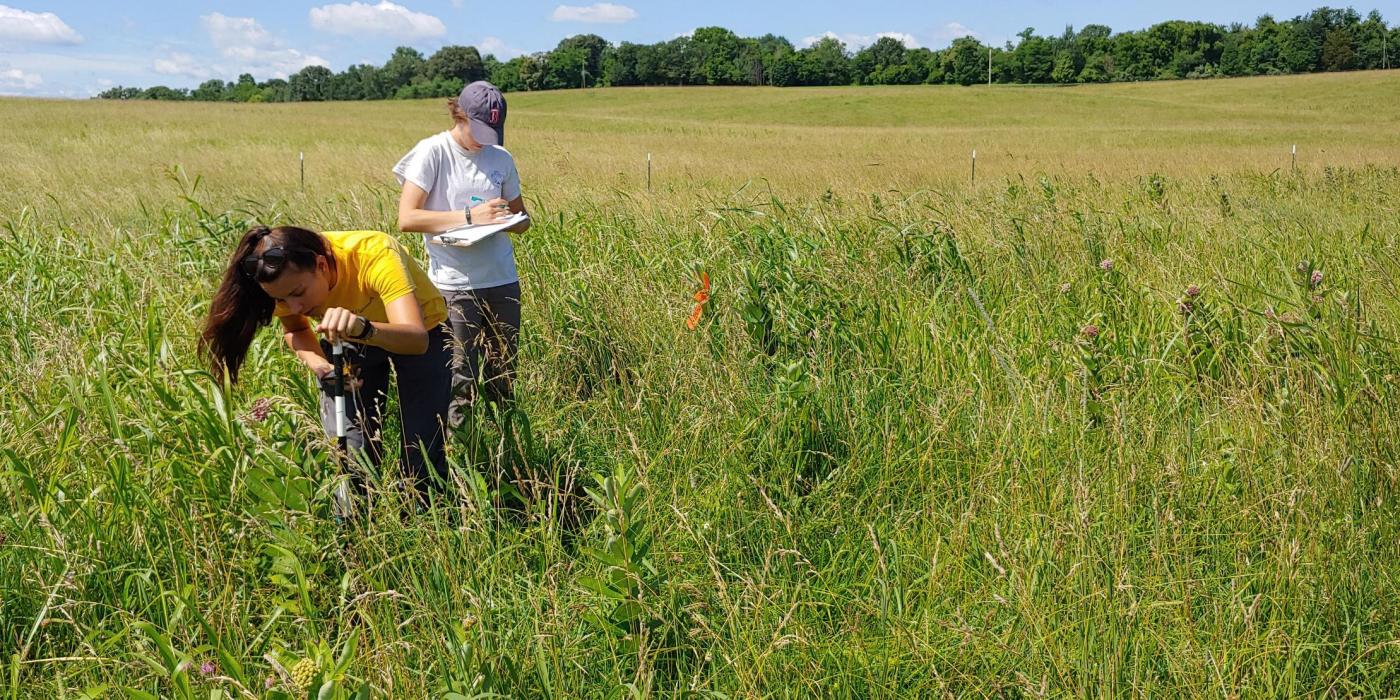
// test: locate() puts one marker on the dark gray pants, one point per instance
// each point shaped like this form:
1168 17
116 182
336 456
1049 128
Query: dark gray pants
424 386
486 334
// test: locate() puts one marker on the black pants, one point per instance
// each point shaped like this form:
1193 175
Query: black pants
486 334
425 388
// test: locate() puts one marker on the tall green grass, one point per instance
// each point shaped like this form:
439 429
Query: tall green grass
1048 436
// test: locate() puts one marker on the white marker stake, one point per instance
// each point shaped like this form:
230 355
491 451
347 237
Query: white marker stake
648 172
339 352
301 156
1295 156
974 166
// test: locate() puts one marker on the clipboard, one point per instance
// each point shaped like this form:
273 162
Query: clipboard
467 236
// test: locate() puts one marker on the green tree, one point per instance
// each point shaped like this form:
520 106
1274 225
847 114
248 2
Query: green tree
1370 42
825 63
1337 50
967 61
785 70
506 76
1237 51
1035 58
1135 56
1063 71
716 52
460 62
565 68
1098 68
275 90
576 62
881 62
243 90
489 63
161 92
620 65
120 93
534 71
1298 53
403 67
310 84
348 85
209 91
768 49
676 62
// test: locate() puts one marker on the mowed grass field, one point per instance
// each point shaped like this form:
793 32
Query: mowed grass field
1119 418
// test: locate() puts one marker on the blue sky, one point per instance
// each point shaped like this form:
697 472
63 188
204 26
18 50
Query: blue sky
67 48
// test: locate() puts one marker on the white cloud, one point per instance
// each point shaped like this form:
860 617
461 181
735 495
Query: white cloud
231 32
16 79
278 64
66 75
953 30
597 13
855 42
386 19
35 27
498 48
246 47
182 64
63 63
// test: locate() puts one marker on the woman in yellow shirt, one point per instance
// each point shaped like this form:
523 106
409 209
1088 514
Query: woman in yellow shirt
360 287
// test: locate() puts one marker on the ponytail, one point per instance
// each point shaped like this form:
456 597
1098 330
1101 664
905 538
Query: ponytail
240 306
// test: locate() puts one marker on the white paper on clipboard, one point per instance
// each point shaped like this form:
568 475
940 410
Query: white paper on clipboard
464 236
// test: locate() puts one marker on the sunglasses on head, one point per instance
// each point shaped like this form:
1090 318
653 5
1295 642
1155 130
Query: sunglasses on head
274 258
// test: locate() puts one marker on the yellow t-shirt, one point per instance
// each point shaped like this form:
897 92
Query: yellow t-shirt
374 270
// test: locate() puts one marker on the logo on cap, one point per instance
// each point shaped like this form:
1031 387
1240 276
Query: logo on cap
495 115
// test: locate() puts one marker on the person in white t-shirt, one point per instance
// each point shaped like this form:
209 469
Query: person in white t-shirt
465 176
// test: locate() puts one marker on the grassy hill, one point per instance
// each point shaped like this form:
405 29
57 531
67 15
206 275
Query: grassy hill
802 139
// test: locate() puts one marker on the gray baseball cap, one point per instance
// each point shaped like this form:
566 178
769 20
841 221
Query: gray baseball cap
485 108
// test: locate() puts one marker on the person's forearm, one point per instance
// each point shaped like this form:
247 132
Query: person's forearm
427 221
307 349
517 206
398 338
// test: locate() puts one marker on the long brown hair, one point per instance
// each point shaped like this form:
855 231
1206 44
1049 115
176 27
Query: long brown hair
454 110
240 306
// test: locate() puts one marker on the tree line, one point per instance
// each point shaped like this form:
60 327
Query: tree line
1326 39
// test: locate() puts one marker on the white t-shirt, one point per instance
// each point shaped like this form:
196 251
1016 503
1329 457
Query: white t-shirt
453 177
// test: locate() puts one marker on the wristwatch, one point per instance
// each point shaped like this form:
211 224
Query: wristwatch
366 332
468 211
